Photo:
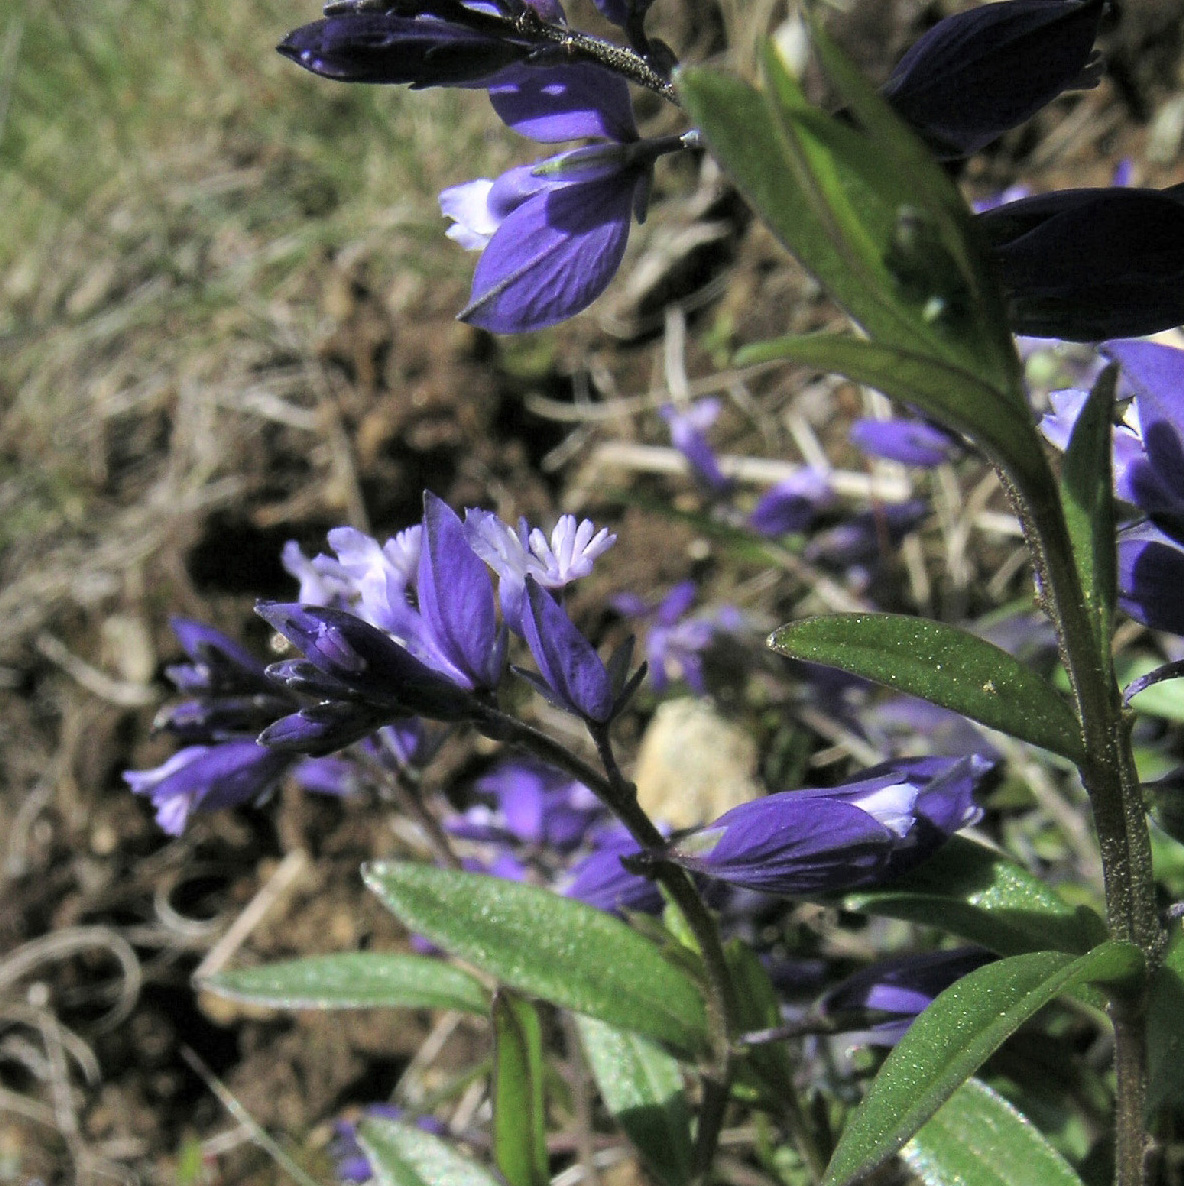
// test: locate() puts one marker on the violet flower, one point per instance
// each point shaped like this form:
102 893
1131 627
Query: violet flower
206 778
515 554
601 880
688 427
553 234
1089 264
571 673
910 442
793 505
810 842
887 997
979 73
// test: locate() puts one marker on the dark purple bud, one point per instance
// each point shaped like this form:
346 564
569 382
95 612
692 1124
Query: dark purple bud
456 600
324 728
886 998
382 47
572 673
206 778
810 842
979 73
368 664
219 664
1090 264
911 442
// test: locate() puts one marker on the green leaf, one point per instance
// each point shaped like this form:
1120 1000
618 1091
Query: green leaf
977 1138
766 1070
750 142
981 895
954 396
642 1088
942 664
354 980
1087 495
1165 1034
403 1155
519 1105
550 947
952 1038
906 156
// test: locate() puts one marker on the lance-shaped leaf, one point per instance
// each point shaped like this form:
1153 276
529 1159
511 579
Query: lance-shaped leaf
642 1088
403 1155
981 895
955 397
952 1038
1087 495
519 1105
944 665
977 1138
550 947
354 980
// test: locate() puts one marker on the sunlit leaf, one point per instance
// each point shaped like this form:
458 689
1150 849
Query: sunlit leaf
976 1138
642 1088
550 947
354 980
944 665
983 896
1165 1032
403 1155
952 1038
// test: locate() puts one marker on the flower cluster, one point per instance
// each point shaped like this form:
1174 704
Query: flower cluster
553 233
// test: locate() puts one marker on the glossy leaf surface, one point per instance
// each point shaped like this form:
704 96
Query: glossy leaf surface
977 1138
952 1038
550 947
942 664
981 895
642 1088
354 980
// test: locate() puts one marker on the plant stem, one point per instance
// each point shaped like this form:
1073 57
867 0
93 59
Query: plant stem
620 796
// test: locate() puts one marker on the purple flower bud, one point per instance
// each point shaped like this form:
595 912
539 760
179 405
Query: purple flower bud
383 47
572 674
892 993
810 842
368 665
1089 264
205 778
911 442
979 73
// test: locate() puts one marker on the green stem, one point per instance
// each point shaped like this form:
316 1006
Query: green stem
1109 776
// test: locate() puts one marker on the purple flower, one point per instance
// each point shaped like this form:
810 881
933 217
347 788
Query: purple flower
601 880
861 538
979 73
571 673
530 803
553 234
911 442
1150 571
892 993
792 505
456 601
516 554
687 429
810 842
206 778
1090 264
